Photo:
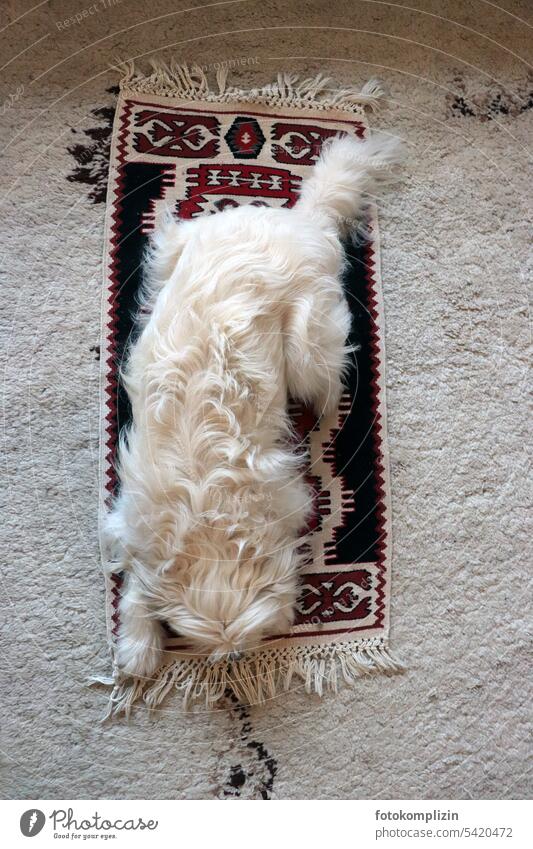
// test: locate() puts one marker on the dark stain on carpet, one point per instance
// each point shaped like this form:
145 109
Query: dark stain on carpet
91 154
489 103
253 776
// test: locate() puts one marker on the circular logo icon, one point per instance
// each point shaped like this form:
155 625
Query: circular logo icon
31 822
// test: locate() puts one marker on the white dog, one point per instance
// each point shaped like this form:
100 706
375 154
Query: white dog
246 307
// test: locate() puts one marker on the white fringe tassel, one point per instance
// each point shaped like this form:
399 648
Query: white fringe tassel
254 679
190 83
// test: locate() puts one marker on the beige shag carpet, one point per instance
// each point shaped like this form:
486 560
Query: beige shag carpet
455 260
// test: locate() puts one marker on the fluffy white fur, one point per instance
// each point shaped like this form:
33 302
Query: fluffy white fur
245 308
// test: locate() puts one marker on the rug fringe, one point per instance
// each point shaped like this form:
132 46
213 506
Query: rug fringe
256 679
190 83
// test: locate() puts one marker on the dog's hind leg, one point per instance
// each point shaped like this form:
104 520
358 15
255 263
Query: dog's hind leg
316 353
141 637
164 250
112 534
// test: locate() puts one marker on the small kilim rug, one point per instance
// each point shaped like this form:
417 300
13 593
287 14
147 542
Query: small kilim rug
178 144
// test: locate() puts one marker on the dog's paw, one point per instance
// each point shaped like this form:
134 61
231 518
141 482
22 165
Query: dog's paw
138 659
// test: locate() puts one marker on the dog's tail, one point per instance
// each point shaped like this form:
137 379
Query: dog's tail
347 175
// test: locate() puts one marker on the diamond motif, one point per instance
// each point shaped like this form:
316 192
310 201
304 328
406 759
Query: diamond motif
245 138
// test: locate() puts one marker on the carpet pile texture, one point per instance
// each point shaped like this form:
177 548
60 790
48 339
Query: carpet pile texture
455 260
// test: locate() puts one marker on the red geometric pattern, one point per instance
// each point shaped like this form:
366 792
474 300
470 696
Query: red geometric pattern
111 386
298 145
245 138
335 596
301 145
167 134
229 182
377 432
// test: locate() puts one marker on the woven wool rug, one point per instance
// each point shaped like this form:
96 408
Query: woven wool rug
178 144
